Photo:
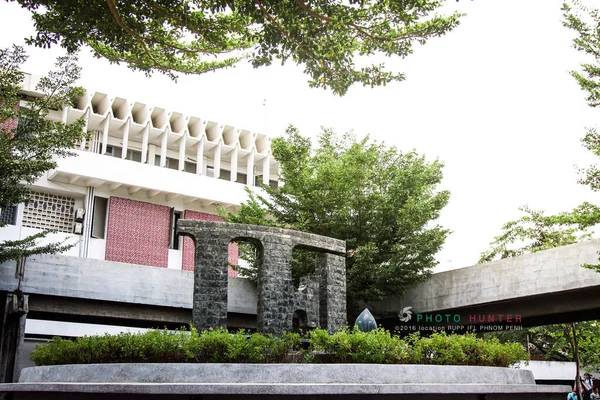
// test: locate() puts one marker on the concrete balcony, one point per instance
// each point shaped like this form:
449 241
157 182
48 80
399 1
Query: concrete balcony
91 169
73 289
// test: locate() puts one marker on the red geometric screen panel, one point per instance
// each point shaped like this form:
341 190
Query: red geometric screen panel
138 233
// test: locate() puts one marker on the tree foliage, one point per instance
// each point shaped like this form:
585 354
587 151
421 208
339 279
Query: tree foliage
29 140
381 201
555 342
585 22
328 38
536 232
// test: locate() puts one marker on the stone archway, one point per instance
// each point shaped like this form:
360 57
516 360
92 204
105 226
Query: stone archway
275 289
299 321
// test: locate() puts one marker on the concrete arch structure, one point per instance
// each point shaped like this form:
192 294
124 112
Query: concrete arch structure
275 290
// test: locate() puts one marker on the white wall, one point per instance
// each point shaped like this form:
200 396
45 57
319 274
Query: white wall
175 258
550 370
13 232
97 249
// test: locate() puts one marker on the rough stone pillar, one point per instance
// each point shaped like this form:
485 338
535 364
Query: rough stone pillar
210 275
332 291
13 314
275 288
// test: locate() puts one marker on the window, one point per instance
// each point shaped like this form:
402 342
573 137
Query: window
117 152
225 175
99 217
210 172
134 155
272 183
113 151
241 178
172 163
25 128
190 166
174 240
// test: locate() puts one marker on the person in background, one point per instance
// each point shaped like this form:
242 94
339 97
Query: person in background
595 394
573 394
588 386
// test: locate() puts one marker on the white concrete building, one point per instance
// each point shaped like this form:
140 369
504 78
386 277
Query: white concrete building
143 168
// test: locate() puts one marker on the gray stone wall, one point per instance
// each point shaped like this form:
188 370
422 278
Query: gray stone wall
306 299
276 302
332 291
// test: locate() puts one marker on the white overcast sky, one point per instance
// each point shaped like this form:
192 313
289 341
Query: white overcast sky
493 100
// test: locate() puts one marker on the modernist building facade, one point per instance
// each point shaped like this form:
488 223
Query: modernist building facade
143 168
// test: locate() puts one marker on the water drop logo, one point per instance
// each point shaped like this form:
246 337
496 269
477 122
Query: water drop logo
405 315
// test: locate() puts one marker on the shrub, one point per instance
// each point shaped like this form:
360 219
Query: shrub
220 346
354 346
467 349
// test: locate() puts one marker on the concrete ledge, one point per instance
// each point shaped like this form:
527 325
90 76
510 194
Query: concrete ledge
283 389
87 278
279 379
275 374
551 271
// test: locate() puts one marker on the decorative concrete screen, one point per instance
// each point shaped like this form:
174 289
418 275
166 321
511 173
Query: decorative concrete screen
138 233
49 211
275 288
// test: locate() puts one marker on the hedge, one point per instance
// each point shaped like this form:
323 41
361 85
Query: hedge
220 346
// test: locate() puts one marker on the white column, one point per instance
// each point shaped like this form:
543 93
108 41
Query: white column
234 163
151 154
126 126
200 157
105 129
145 143
182 151
250 169
266 168
217 158
65 114
86 118
163 146
86 233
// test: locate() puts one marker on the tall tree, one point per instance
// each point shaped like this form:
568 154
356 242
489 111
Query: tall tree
29 141
534 232
381 201
585 22
329 38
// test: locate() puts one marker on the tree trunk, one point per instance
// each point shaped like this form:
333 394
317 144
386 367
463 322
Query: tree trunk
13 313
575 347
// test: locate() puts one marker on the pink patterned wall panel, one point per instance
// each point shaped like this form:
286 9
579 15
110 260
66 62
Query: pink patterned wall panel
188 245
9 125
138 233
